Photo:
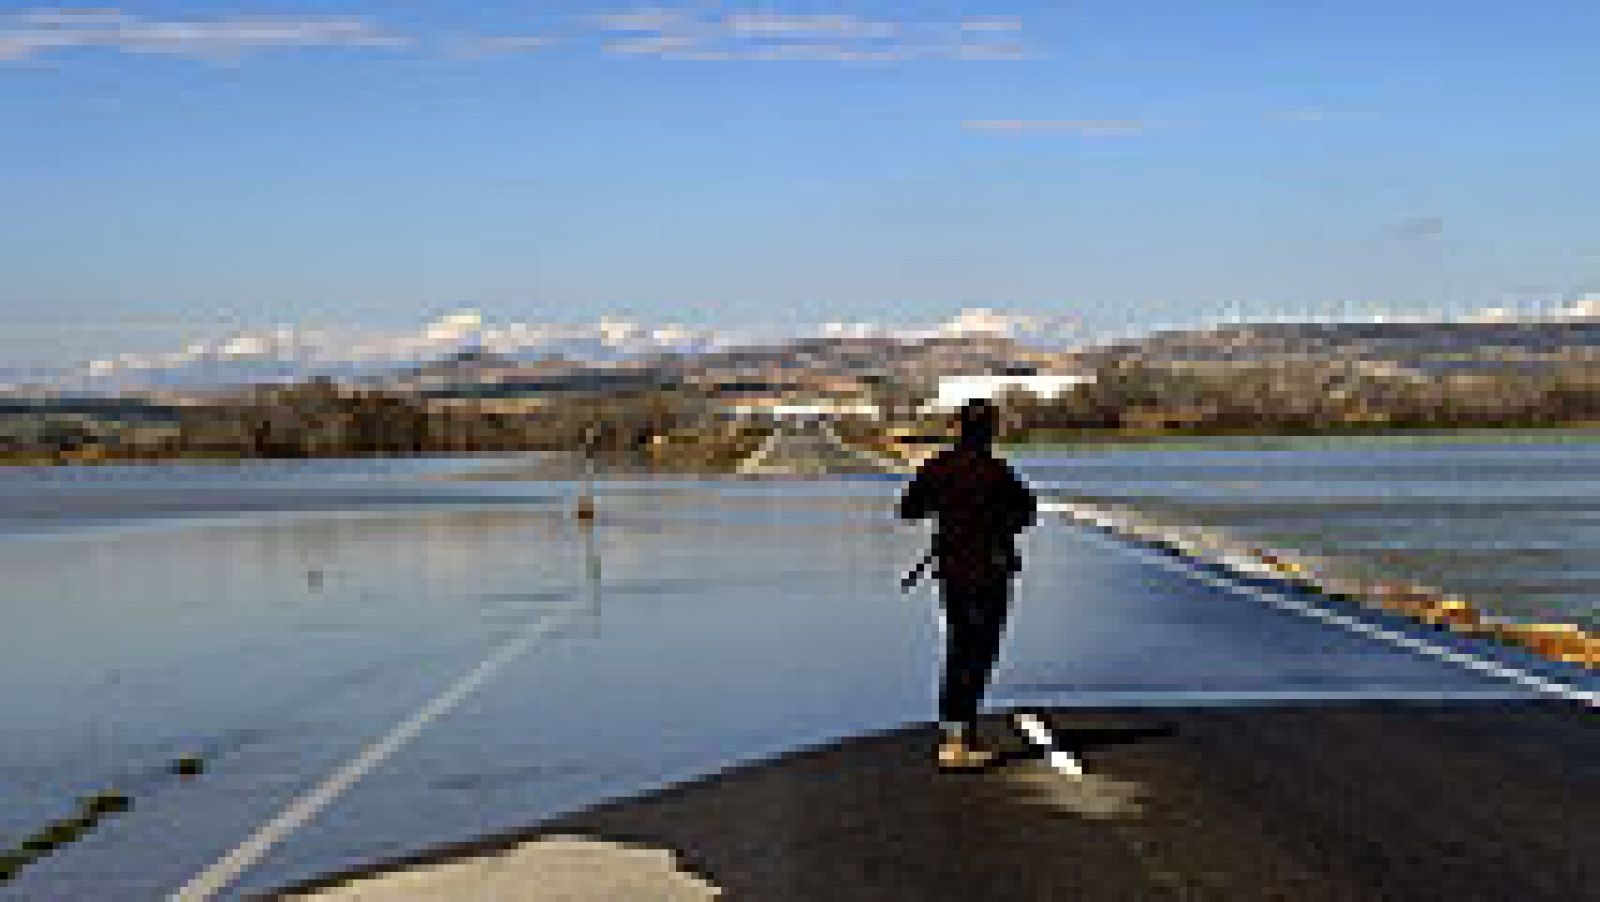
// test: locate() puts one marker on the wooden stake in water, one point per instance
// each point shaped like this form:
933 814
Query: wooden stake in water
592 575
586 510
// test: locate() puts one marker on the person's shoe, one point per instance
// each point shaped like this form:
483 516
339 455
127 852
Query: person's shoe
955 754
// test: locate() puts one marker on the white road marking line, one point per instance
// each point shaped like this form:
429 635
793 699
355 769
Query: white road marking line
1283 602
218 876
1060 759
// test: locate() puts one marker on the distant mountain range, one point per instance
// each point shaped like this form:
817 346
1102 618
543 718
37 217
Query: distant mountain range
464 341
462 355
1421 346
796 365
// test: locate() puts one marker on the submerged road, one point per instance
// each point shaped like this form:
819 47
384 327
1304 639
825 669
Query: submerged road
730 625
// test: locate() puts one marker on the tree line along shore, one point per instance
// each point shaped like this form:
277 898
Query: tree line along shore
688 428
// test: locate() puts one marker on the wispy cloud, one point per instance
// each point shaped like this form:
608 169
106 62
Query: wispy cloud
783 25
993 24
699 33
38 32
1088 128
1318 114
640 20
505 44
652 45
1416 228
681 34
1123 128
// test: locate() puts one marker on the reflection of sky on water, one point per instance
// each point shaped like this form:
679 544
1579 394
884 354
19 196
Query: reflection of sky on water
103 626
297 636
1515 526
175 626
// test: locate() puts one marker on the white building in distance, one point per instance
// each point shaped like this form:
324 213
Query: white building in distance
954 391
783 409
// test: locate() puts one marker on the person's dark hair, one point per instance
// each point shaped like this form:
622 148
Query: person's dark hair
978 422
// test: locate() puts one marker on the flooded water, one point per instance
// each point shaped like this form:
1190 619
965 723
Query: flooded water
279 621
271 620
1512 526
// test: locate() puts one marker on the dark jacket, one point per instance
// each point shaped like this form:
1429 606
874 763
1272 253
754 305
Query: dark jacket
981 506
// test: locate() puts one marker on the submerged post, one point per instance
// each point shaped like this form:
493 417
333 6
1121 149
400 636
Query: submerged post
586 510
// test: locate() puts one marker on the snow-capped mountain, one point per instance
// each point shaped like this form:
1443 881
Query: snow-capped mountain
285 354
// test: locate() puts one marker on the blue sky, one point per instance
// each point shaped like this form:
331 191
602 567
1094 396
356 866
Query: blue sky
177 169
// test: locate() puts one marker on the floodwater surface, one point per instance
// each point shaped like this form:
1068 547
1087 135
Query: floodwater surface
472 658
1514 527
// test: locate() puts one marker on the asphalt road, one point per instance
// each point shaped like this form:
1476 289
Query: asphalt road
1370 800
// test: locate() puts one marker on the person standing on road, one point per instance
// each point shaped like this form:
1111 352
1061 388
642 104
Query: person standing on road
981 506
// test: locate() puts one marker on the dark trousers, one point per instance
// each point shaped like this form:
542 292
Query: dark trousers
975 619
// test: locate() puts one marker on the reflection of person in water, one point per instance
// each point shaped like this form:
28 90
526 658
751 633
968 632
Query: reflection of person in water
980 506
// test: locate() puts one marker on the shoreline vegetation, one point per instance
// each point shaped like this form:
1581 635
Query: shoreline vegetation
1289 441
713 452
687 422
